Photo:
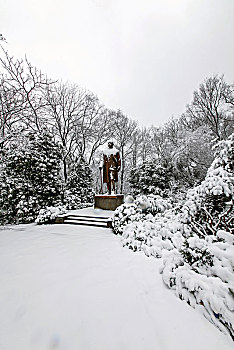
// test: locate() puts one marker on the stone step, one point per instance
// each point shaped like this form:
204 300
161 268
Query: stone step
86 217
86 223
98 221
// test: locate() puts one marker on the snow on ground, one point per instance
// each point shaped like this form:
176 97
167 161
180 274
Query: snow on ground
68 287
92 212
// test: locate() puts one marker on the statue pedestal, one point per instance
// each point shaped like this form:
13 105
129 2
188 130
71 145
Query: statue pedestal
108 202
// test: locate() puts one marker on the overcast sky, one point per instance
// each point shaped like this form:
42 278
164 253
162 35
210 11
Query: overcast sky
145 57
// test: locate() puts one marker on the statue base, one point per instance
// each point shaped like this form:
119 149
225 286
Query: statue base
108 202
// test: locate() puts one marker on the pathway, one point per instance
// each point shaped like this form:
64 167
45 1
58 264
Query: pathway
69 287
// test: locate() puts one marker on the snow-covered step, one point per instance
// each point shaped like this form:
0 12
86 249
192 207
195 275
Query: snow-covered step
86 223
87 218
98 221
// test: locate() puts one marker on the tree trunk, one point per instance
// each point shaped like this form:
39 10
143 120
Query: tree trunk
65 170
122 170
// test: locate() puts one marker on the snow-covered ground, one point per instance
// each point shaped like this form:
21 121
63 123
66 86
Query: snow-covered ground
70 287
92 212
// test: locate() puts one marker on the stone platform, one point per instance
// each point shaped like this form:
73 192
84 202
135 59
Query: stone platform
108 202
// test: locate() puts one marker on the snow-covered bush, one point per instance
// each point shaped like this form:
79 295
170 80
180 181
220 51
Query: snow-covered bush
195 252
201 273
29 178
49 214
152 234
150 177
209 206
124 214
155 203
75 201
135 210
79 186
195 241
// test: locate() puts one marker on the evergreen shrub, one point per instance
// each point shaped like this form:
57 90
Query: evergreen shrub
30 178
79 186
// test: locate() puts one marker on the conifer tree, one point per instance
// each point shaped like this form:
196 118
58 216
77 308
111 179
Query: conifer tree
30 178
149 178
79 185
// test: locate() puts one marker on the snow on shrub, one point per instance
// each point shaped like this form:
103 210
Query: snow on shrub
150 177
30 178
196 242
152 203
48 214
76 201
209 206
124 214
153 234
79 186
135 210
201 273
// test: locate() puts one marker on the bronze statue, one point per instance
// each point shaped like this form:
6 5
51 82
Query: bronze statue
110 164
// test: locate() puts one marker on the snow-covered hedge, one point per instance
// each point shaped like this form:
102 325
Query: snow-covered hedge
79 186
49 214
135 210
201 273
76 201
152 204
153 234
150 177
29 178
200 270
124 214
195 242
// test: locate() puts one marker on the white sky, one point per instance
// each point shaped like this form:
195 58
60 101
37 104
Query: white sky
145 57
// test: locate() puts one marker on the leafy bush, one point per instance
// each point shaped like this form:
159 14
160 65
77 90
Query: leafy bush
138 209
156 204
30 178
49 214
195 252
209 206
201 273
195 241
149 178
79 186
124 214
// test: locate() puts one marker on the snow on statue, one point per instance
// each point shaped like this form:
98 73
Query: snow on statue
110 165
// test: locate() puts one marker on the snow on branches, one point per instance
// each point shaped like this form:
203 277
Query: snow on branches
195 240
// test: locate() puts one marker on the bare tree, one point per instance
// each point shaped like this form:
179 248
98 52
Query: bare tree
28 84
102 130
2 38
64 106
210 105
124 129
92 126
11 109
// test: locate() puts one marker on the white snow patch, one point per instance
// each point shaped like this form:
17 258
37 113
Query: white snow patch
74 287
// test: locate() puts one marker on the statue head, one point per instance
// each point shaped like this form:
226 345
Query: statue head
110 144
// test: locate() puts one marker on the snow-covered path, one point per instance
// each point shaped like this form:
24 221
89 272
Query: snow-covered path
76 288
